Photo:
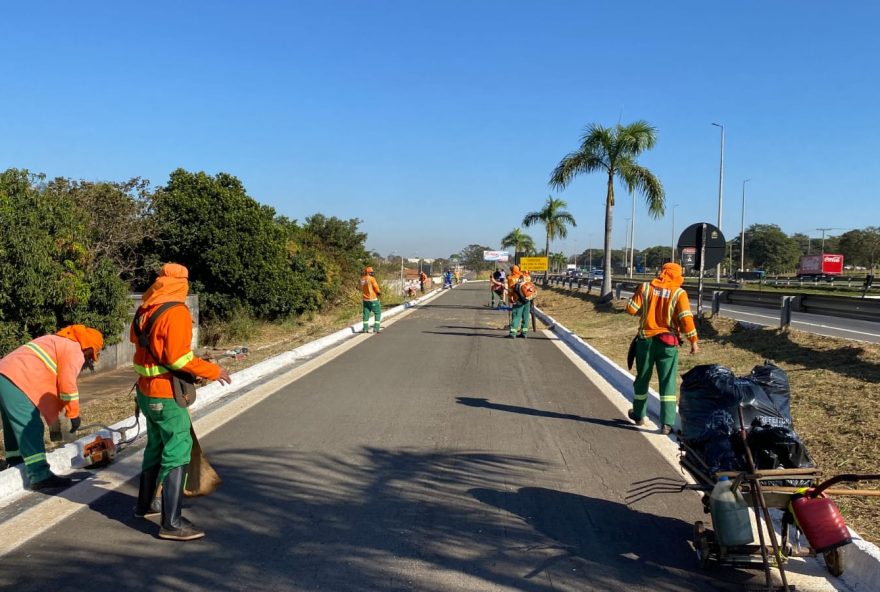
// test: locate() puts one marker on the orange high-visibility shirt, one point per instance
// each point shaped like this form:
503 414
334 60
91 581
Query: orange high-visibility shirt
46 370
662 311
170 339
370 288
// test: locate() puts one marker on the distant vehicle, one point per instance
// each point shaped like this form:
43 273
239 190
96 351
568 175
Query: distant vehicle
598 274
757 274
826 264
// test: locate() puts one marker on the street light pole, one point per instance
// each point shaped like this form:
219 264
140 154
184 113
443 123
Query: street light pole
673 233
632 236
742 231
626 244
822 252
720 193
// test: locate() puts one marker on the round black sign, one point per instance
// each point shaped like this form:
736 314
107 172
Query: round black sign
701 235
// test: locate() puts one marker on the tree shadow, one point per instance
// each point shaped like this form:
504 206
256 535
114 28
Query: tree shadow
459 306
600 306
370 519
485 403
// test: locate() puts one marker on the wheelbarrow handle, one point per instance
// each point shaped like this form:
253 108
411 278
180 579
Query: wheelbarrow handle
844 478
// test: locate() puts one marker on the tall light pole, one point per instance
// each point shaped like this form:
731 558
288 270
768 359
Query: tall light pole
822 252
742 231
626 244
590 238
632 235
673 233
720 193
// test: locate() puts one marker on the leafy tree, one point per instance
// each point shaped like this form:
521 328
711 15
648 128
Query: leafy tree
471 257
861 247
557 261
48 274
770 249
655 257
232 245
521 242
613 151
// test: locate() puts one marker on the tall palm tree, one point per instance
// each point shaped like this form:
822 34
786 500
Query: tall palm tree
521 242
554 218
613 151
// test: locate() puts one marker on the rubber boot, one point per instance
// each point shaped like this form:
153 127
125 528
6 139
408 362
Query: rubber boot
148 503
174 526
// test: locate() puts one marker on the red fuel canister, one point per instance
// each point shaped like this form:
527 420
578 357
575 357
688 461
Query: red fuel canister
820 520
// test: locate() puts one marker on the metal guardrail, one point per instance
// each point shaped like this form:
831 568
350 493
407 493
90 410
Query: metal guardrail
832 306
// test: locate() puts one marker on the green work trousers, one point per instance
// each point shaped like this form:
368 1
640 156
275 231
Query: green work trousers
493 294
649 353
23 431
169 442
372 307
519 317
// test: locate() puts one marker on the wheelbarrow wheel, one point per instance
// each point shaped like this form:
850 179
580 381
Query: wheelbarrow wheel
702 544
834 561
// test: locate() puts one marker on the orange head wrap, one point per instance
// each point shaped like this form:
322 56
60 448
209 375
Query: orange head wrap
85 336
514 269
669 277
368 270
172 285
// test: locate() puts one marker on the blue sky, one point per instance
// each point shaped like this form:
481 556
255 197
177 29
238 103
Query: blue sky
437 123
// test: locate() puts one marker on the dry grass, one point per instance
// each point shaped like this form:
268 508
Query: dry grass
834 383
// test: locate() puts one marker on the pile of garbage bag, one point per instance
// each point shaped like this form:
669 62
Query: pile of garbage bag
710 396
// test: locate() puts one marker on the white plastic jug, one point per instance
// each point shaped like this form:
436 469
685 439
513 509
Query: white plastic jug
730 515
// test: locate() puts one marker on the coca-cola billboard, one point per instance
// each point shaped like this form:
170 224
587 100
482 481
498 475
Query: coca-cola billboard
825 264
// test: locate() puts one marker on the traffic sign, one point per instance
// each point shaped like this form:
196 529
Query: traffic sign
704 238
533 263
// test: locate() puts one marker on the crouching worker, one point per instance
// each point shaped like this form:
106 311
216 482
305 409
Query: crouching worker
165 322
665 313
39 378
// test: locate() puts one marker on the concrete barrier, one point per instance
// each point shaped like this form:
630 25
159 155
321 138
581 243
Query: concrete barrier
862 559
70 456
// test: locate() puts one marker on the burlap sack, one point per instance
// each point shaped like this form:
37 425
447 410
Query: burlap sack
202 479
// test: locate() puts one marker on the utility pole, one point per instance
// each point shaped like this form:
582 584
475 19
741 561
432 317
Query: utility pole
742 231
720 193
822 252
632 236
672 259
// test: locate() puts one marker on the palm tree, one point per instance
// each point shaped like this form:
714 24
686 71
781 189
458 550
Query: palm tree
521 242
614 151
558 261
554 218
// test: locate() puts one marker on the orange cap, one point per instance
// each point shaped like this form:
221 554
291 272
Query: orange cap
85 336
514 269
174 270
368 270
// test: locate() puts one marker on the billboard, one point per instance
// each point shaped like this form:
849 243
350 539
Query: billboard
501 256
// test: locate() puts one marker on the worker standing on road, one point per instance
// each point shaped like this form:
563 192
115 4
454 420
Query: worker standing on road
665 313
39 378
496 287
372 304
521 308
423 279
169 443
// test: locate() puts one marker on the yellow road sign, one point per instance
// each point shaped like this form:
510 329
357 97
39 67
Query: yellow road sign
533 263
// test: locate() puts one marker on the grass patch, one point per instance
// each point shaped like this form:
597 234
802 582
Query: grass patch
834 382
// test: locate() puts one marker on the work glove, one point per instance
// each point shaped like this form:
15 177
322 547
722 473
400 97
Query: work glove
75 422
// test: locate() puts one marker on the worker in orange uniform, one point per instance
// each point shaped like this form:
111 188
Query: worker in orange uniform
169 443
372 304
39 378
520 308
665 314
423 279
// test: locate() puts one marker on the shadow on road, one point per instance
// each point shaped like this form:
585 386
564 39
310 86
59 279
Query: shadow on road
485 403
371 520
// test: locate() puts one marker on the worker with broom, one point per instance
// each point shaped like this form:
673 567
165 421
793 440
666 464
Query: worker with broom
40 378
162 334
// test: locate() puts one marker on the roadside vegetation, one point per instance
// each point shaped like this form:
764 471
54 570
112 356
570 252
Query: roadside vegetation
835 401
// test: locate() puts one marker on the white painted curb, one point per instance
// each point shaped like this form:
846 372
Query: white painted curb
862 559
70 456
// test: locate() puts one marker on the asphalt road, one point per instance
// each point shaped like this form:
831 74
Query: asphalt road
437 456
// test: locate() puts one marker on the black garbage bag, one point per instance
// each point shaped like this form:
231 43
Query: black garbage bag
706 389
779 448
716 443
774 381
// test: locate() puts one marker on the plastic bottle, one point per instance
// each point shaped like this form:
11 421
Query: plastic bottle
730 515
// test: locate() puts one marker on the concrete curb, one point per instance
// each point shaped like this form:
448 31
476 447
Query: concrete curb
70 456
862 559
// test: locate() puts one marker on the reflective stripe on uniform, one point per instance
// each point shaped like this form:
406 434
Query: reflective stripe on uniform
46 358
181 361
150 371
35 458
640 397
13 454
69 396
668 399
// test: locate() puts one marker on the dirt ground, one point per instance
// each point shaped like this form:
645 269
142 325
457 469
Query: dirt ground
834 383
